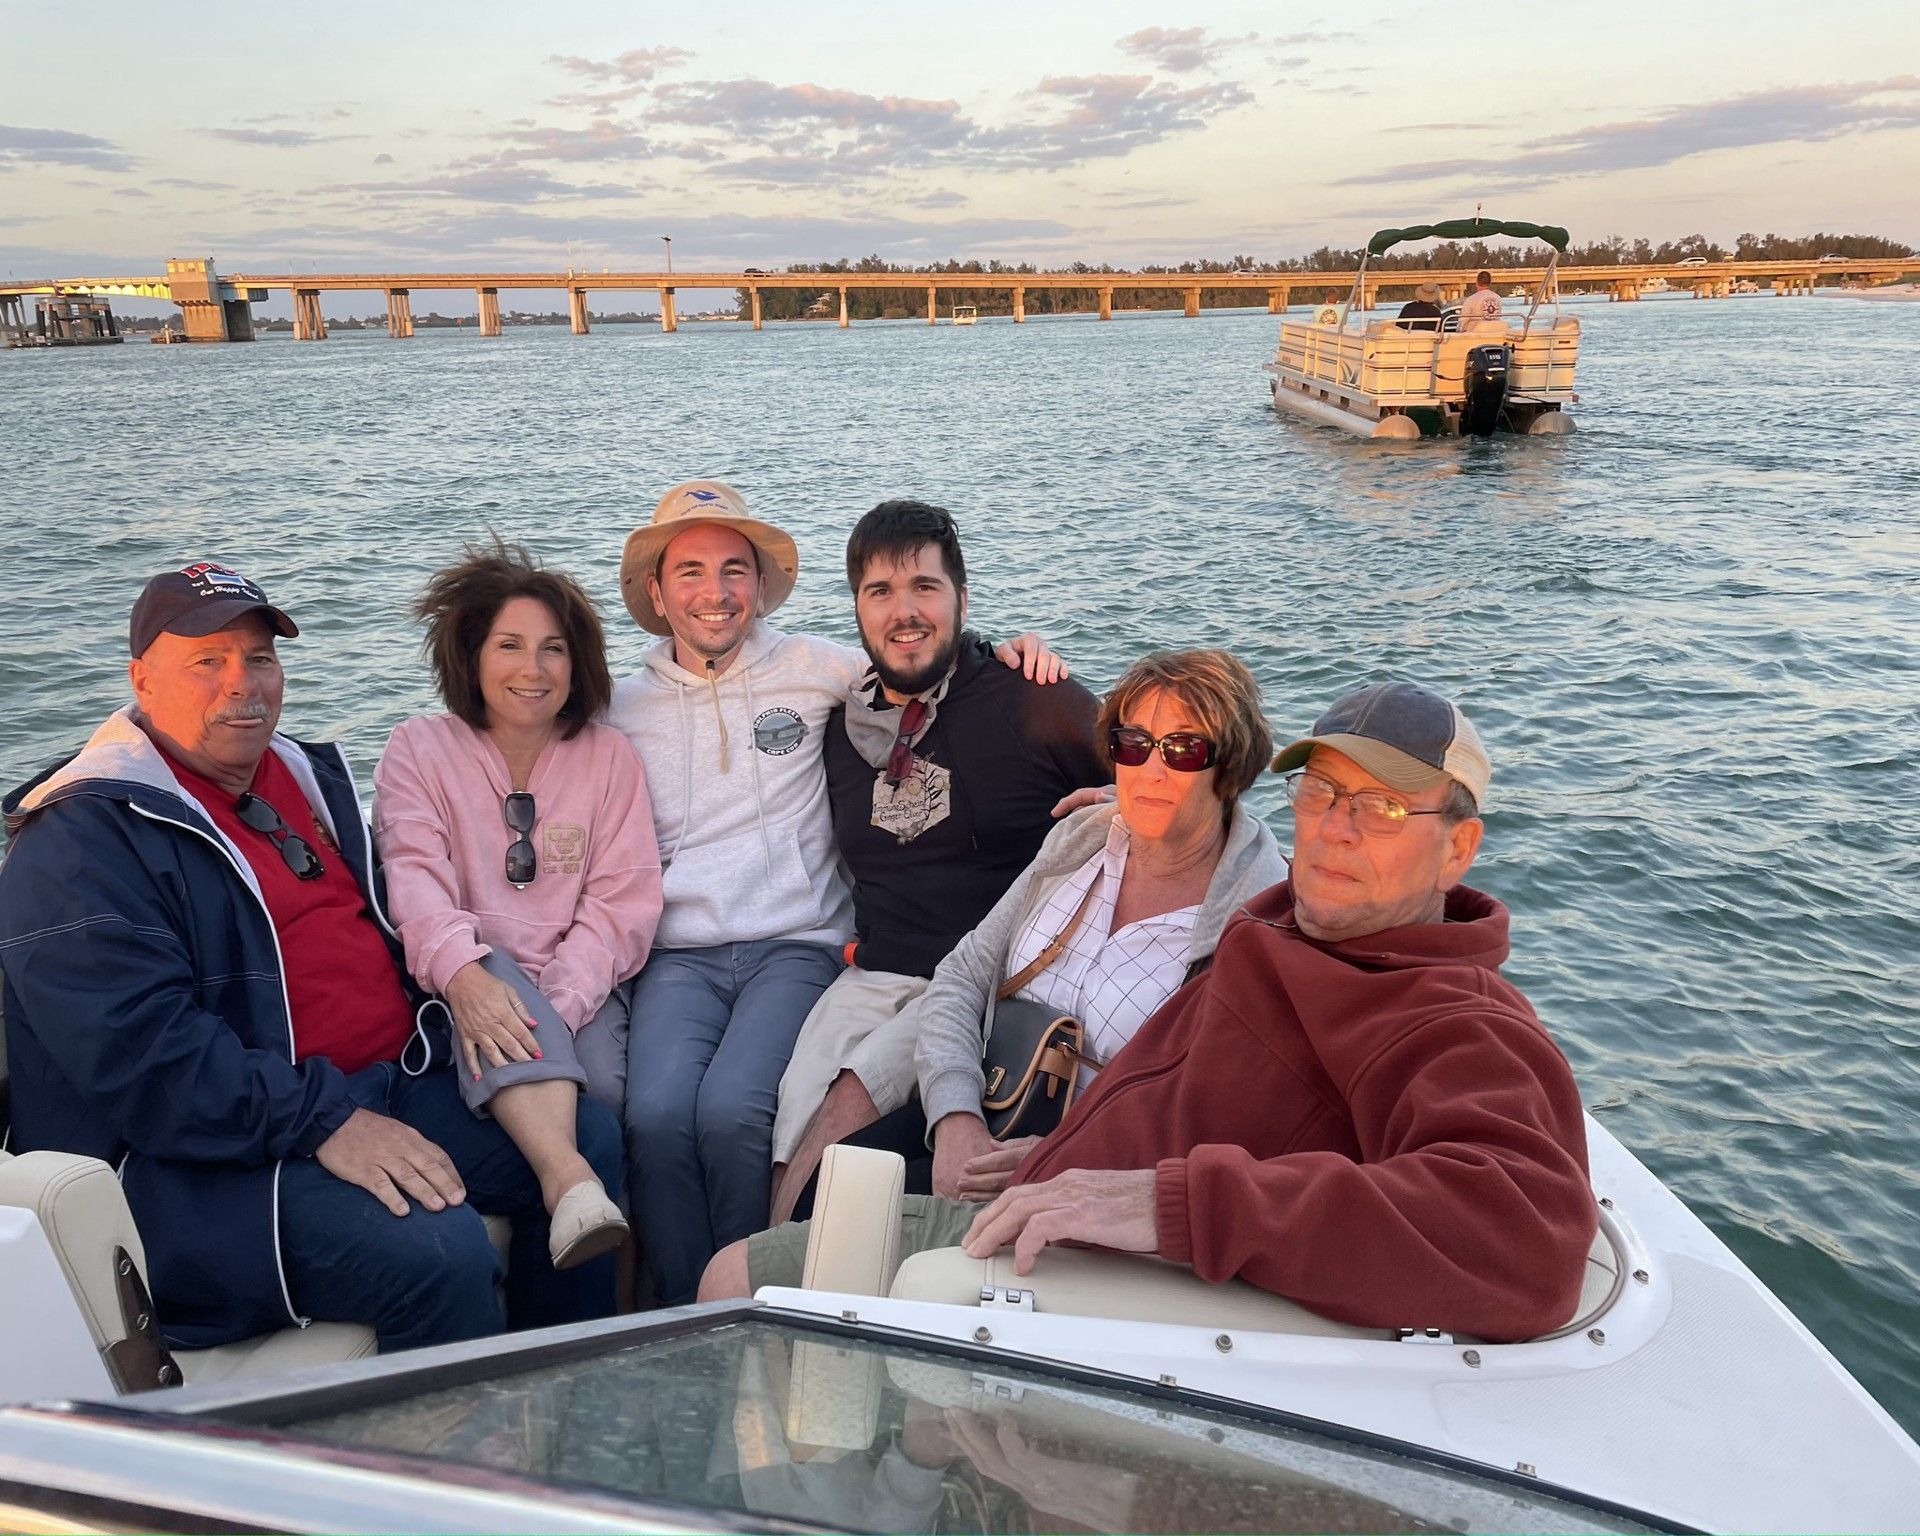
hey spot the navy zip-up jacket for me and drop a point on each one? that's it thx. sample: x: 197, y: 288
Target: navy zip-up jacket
x: 147, y: 1018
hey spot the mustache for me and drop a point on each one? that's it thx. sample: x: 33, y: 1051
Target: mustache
x: 254, y: 710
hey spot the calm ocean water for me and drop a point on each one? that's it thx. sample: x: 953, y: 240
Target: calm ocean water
x: 1690, y: 633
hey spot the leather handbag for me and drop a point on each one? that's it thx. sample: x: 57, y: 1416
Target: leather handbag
x: 1033, y: 1053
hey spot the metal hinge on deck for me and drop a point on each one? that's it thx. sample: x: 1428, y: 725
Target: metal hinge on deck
x: 1006, y: 1298
x: 1423, y: 1336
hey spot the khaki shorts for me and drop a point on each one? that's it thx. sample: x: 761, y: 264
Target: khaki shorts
x: 779, y: 1256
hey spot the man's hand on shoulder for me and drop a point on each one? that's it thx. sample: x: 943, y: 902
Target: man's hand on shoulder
x: 1093, y: 794
x: 1108, y: 1208
x: 391, y: 1161
x: 1033, y: 658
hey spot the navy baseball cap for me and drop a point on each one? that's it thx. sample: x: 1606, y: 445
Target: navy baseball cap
x: 198, y: 599
x: 1406, y: 737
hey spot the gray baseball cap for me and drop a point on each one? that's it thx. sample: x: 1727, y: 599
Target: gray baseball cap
x: 1406, y: 737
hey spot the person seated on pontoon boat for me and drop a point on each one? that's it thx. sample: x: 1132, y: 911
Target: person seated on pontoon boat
x: 517, y: 841
x: 1329, y: 311
x: 202, y: 990
x: 1483, y: 303
x: 1351, y: 1107
x: 1422, y: 311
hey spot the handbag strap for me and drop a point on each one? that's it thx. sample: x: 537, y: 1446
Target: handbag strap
x: 1051, y: 953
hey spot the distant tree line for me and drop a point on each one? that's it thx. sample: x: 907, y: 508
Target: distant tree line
x: 1449, y: 255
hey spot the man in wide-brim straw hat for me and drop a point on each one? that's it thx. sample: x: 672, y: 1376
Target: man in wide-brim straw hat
x: 1422, y: 311
x: 727, y: 714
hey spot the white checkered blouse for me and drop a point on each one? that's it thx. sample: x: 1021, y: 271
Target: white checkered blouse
x: 1111, y: 982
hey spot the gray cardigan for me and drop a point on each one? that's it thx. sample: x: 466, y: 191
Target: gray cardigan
x: 950, y: 1017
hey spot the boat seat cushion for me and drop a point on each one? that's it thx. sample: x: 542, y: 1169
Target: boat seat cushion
x: 853, y: 1243
x: 268, y: 1354
x: 1091, y: 1283
x: 82, y: 1210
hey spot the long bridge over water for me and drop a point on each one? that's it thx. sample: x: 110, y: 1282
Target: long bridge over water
x: 217, y: 308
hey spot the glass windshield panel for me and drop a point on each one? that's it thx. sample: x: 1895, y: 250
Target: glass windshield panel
x: 868, y: 1435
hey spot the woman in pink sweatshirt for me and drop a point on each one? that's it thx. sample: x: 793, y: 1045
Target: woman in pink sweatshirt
x: 517, y: 840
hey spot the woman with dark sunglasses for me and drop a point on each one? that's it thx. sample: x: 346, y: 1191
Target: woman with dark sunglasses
x: 1140, y: 886
x: 518, y: 844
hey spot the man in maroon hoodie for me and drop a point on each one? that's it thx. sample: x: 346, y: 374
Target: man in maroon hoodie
x: 1351, y: 1107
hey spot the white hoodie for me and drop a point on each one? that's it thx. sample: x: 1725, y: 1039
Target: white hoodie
x: 739, y: 789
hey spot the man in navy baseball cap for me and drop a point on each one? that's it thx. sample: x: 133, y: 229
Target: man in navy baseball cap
x: 199, y: 599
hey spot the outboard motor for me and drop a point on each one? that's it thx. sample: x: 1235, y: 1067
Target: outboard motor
x: 1486, y: 396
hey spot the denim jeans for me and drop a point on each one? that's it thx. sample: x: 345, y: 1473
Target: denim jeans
x: 432, y: 1277
x: 709, y: 1035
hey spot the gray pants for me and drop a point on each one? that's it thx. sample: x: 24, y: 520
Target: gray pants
x: 557, y: 1062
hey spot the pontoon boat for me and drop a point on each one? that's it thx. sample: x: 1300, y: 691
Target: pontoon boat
x: 1381, y: 378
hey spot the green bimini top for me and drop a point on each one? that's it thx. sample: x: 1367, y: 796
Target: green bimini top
x: 1468, y: 229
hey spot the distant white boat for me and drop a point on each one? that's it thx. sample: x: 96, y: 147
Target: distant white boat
x: 965, y: 314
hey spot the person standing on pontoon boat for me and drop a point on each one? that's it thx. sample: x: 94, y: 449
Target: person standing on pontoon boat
x: 728, y: 716
x: 203, y: 991
x: 1483, y: 303
x: 1351, y: 1107
x: 526, y: 948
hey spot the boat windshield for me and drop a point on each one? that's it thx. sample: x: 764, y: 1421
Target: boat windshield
x: 775, y: 1419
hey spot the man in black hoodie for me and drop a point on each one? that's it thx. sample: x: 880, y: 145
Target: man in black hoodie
x: 943, y: 773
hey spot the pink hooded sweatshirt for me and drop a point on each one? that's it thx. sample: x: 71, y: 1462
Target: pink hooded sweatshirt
x: 586, y: 921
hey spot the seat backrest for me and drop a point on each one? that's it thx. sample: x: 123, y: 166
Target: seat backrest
x: 854, y: 1242
x: 83, y: 1212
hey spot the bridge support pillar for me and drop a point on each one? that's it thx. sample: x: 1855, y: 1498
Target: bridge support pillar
x: 669, y: 321
x: 1276, y: 300
x: 1019, y: 306
x: 308, y: 323
x: 577, y: 310
x: 1106, y: 303
x: 399, y: 312
x: 489, y: 311
x: 844, y: 322
x: 933, y: 314
x: 1193, y: 303
x: 753, y: 295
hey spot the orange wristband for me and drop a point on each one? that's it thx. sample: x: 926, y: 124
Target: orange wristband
x: 846, y: 955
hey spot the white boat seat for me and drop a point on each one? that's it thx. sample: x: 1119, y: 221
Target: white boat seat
x: 80, y: 1207
x: 1088, y: 1282
x: 852, y: 1245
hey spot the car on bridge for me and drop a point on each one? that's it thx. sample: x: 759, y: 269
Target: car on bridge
x: 1693, y: 261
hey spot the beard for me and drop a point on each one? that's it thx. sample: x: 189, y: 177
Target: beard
x: 924, y: 675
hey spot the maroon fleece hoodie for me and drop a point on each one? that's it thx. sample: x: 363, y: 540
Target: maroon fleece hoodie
x: 1380, y: 1129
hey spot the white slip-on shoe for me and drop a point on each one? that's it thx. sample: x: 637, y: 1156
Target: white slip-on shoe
x: 585, y: 1225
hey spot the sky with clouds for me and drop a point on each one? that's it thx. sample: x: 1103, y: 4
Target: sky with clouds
x: 388, y: 137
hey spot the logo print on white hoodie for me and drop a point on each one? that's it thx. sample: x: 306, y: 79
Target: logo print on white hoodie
x: 778, y: 731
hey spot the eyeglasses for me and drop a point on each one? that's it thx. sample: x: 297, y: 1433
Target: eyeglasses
x: 900, y: 759
x: 1182, y: 751
x: 295, y: 849
x: 522, y: 863
x: 1375, y: 812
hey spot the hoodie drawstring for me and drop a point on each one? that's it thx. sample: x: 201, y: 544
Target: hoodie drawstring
x: 686, y: 777
x: 713, y: 692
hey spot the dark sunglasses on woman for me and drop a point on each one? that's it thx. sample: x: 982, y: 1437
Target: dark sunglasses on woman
x: 522, y: 863
x: 294, y: 849
x: 1182, y: 751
